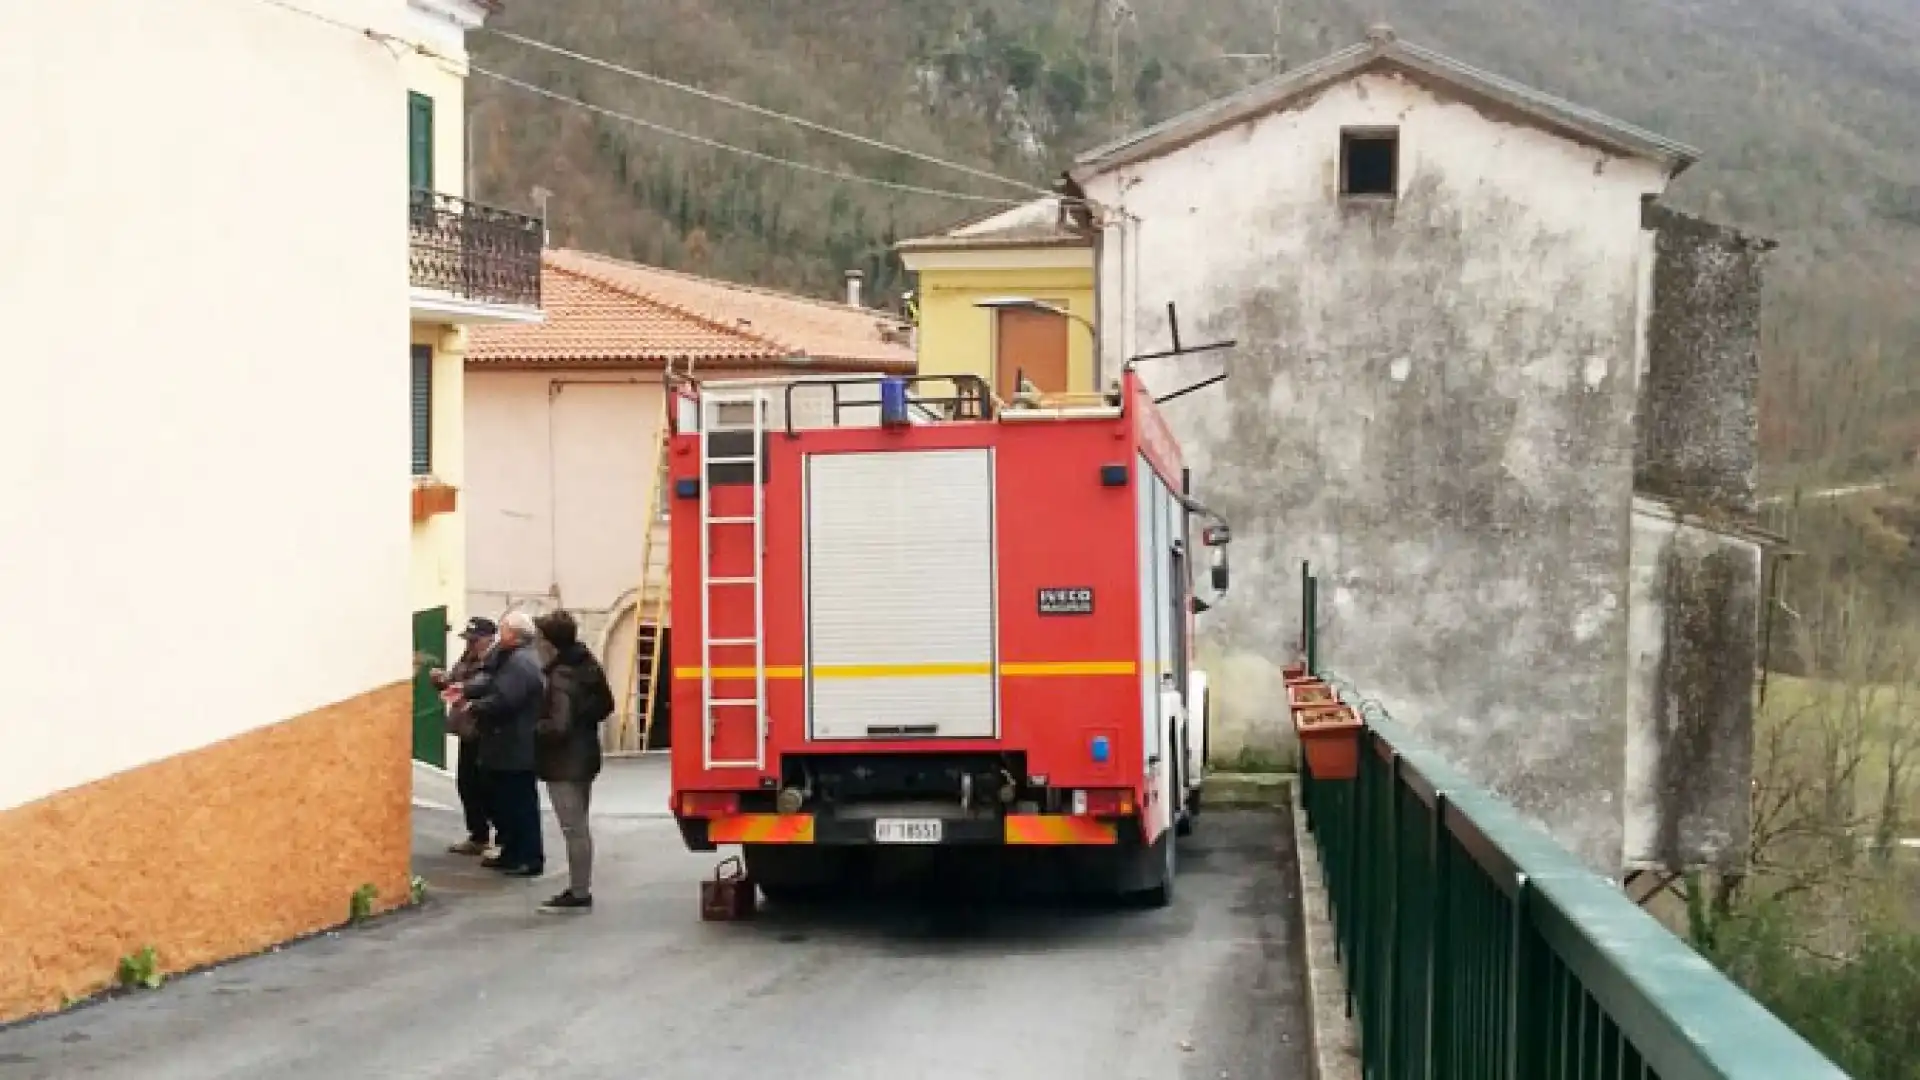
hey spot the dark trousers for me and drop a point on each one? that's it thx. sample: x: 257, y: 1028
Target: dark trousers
x: 471, y: 780
x: 515, y: 799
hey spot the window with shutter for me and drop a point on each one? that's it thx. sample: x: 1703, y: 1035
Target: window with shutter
x: 422, y: 410
x: 420, y: 142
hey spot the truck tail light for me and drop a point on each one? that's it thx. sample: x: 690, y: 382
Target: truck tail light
x: 708, y: 804
x: 1103, y: 802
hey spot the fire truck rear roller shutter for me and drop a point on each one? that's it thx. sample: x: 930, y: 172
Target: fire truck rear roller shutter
x: 901, y: 592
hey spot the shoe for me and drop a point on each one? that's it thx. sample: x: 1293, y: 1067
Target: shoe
x: 468, y: 847
x: 492, y: 862
x: 567, y: 901
x: 524, y: 871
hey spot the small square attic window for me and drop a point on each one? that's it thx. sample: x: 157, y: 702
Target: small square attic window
x: 1370, y: 162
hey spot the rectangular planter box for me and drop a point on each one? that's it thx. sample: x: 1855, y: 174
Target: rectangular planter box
x: 1299, y: 694
x: 433, y: 498
x: 1329, y: 736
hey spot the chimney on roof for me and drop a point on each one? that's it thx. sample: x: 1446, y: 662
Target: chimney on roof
x: 854, y: 278
x: 540, y: 197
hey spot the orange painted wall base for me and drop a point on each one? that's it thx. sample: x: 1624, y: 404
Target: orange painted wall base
x: 208, y: 855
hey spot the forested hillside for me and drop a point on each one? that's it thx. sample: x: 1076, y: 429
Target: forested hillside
x: 1809, y: 115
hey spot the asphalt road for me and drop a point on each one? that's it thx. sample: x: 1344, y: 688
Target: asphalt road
x: 477, y: 984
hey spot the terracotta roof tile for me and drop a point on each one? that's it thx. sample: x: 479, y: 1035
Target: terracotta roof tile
x: 604, y: 311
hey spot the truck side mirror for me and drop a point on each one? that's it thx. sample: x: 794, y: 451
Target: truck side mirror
x: 1220, y: 570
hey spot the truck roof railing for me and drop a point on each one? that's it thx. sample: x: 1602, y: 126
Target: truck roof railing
x: 931, y: 399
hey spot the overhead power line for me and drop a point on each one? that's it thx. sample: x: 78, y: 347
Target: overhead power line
x: 662, y: 129
x: 338, y: 24
x: 760, y: 110
x: 836, y: 174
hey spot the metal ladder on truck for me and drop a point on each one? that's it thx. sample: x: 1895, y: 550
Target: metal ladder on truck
x: 650, y: 614
x: 712, y: 401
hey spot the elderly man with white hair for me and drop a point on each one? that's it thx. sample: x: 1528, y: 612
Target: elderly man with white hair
x: 504, y: 701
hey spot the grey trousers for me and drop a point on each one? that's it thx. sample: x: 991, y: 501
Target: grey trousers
x: 570, y: 802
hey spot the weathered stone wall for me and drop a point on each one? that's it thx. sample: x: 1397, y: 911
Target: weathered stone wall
x: 1433, y: 402
x: 1695, y: 615
x: 1699, y: 400
x: 1696, y: 586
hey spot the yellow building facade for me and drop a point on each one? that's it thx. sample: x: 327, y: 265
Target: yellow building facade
x: 469, y: 265
x: 969, y: 278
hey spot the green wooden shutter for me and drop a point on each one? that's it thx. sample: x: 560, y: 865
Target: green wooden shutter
x: 422, y: 410
x: 419, y: 142
x: 429, y: 712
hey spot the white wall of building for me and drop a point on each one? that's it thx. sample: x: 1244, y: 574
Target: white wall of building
x: 558, y: 469
x: 205, y: 289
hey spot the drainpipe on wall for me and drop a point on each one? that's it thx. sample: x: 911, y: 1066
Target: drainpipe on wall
x: 1099, y: 314
x: 466, y: 146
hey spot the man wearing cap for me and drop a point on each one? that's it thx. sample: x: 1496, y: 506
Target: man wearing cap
x: 469, y: 777
x: 505, y: 698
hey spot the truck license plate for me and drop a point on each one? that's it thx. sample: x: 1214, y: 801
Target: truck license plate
x: 907, y: 831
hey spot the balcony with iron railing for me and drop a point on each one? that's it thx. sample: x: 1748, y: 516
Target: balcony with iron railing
x: 471, y: 263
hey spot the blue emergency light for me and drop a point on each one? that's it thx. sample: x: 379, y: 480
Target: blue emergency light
x: 1100, y: 750
x: 893, y: 402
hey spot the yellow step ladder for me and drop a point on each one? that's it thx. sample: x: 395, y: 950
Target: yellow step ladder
x: 651, y: 609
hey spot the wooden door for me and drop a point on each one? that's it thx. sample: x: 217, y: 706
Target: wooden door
x: 1033, y: 344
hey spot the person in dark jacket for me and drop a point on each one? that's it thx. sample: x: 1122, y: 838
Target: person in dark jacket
x: 567, y: 748
x: 505, y: 700
x: 469, y: 777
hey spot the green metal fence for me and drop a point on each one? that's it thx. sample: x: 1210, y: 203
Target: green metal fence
x: 1476, y: 948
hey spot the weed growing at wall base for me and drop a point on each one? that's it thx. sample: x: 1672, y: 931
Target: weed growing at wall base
x: 140, y: 970
x: 360, y: 904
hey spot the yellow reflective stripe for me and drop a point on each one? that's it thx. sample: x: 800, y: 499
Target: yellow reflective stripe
x: 1071, y: 667
x: 793, y: 671
x: 922, y: 671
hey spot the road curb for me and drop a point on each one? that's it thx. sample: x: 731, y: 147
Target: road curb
x: 1336, y: 1046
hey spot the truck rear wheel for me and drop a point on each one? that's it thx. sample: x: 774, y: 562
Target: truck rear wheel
x: 792, y: 894
x: 790, y: 873
x: 1161, y: 861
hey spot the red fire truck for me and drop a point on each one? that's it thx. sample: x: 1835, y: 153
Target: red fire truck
x: 906, y: 614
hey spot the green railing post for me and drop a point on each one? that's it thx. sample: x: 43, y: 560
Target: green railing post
x: 1391, y: 955
x: 1313, y: 625
x: 1305, y: 780
x: 1439, y: 959
x: 1519, y: 1019
x: 1306, y: 615
x: 1356, y: 892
